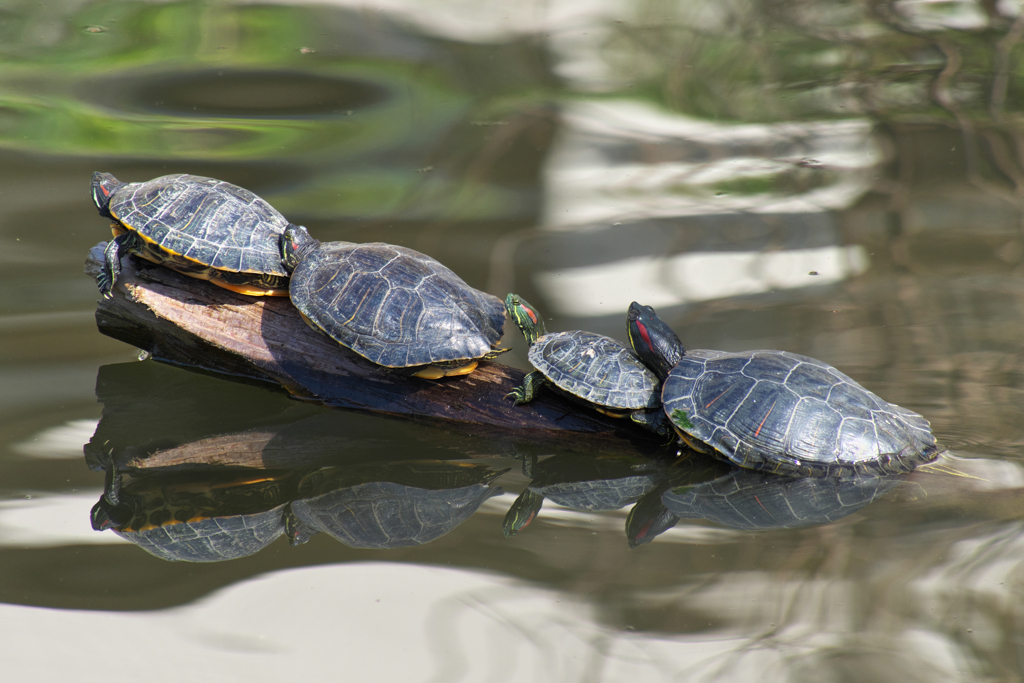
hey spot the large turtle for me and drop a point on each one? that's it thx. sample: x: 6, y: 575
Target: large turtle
x: 182, y: 517
x: 749, y: 500
x: 202, y: 227
x: 752, y: 500
x: 391, y: 505
x: 393, y: 306
x: 777, y: 411
x: 596, y: 370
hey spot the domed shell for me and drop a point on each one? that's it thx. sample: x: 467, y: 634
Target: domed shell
x: 394, y: 306
x: 204, y: 220
x: 595, y: 368
x: 789, y: 413
x: 749, y: 500
x: 213, y: 539
x: 383, y: 514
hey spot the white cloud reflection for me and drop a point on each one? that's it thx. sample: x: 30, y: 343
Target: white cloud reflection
x: 47, y: 521
x: 608, y: 289
x: 60, y: 442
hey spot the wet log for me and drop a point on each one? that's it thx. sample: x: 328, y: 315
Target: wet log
x: 192, y: 323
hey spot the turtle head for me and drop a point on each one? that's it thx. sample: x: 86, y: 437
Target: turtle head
x: 653, y: 340
x: 108, y: 515
x: 100, y: 515
x: 526, y: 318
x: 103, y: 186
x: 296, y: 242
x: 295, y: 530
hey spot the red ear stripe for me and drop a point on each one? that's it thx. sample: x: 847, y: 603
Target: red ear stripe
x: 643, y: 333
x: 530, y: 312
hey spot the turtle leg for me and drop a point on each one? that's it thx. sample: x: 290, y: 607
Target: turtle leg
x: 116, y: 248
x: 693, y: 443
x: 528, y: 391
x: 112, y: 483
x: 653, y: 420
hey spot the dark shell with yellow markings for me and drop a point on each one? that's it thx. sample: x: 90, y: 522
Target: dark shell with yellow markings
x: 202, y: 226
x: 394, y: 306
x: 182, y: 518
x: 595, y: 368
x: 213, y: 539
x: 782, y: 412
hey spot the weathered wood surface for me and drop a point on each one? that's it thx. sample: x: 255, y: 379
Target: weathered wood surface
x: 191, y: 322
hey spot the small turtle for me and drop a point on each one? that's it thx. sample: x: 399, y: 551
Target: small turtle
x: 393, y: 306
x: 596, y: 370
x: 201, y: 227
x: 588, y: 483
x: 777, y: 411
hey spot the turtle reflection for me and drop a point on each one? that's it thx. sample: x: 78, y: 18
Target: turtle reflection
x: 209, y: 517
x: 390, y: 505
x: 750, y: 500
x: 581, y: 482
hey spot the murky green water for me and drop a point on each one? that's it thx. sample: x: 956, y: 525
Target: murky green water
x: 825, y: 178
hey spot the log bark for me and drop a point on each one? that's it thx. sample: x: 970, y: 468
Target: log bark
x: 190, y: 322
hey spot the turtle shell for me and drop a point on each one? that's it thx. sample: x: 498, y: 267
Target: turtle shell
x: 593, y: 483
x: 182, y: 517
x: 394, y: 306
x: 213, y: 539
x: 191, y: 222
x: 383, y: 514
x: 595, y: 368
x: 788, y: 413
x: 599, y: 495
x: 749, y: 500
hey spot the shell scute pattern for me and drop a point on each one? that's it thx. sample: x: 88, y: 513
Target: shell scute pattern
x: 775, y: 367
x: 852, y: 400
x: 815, y: 382
x: 205, y: 220
x: 394, y: 306
x: 719, y: 395
x: 821, y: 429
x: 390, y: 515
x: 599, y: 495
x: 777, y: 410
x: 210, y: 540
x: 764, y: 416
x: 595, y: 368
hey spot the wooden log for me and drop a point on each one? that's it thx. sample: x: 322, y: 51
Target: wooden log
x: 190, y: 322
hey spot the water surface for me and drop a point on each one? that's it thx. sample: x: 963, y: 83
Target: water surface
x: 825, y: 178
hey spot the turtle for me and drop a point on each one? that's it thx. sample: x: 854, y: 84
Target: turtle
x: 393, y: 306
x: 392, y: 505
x: 753, y: 500
x: 202, y: 227
x: 777, y: 411
x: 591, y: 368
x: 181, y: 518
x: 580, y: 482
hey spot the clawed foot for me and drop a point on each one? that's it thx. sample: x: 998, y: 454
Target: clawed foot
x: 518, y: 396
x: 106, y: 285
